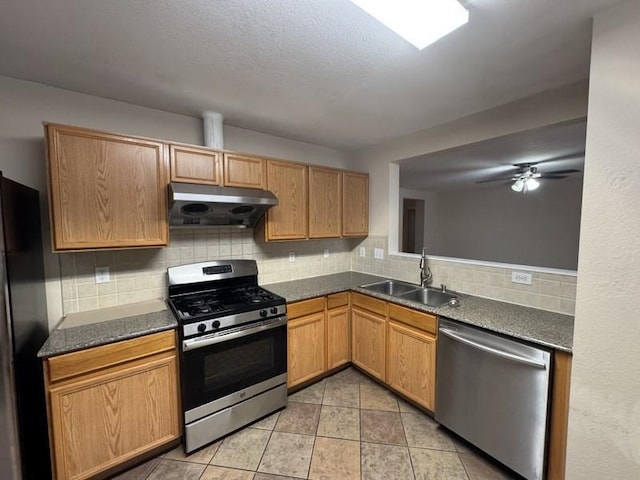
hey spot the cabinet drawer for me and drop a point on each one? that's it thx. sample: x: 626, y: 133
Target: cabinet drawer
x: 91, y: 359
x: 369, y: 303
x: 337, y: 300
x: 420, y: 320
x: 305, y: 307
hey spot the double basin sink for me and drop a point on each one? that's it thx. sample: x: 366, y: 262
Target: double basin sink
x: 432, y: 297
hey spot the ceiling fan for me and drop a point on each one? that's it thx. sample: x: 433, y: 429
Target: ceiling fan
x: 525, y: 177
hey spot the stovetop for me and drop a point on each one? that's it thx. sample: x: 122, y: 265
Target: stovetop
x: 211, y: 297
x: 208, y: 305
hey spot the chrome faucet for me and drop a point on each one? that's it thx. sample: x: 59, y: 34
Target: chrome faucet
x: 426, y: 277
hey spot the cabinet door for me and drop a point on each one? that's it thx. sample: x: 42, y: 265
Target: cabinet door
x: 288, y: 182
x: 244, y: 171
x: 100, y: 421
x: 338, y: 337
x: 106, y: 191
x: 368, y: 342
x: 306, y: 343
x: 325, y: 200
x: 355, y: 204
x: 411, y: 363
x: 195, y: 165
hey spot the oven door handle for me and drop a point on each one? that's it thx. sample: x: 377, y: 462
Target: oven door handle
x: 195, y: 343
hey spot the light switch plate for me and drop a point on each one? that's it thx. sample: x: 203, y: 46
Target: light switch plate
x: 326, y: 253
x: 521, y: 277
x: 292, y: 256
x: 363, y: 251
x: 102, y: 275
x: 378, y: 253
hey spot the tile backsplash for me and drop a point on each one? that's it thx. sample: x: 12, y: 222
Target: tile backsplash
x: 137, y: 275
x: 553, y: 292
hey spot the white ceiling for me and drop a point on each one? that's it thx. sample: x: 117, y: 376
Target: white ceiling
x: 320, y: 71
x: 556, y: 147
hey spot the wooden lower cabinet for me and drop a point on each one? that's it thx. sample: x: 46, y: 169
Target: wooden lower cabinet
x: 558, y: 424
x: 368, y: 341
x: 101, y: 419
x: 411, y: 355
x: 338, y: 330
x: 306, y: 340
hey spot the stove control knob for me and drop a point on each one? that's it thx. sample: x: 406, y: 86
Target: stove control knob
x: 263, y: 313
x: 274, y: 310
x: 202, y: 327
x: 215, y: 325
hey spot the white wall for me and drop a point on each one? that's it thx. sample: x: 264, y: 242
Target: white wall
x: 26, y: 105
x: 604, y: 420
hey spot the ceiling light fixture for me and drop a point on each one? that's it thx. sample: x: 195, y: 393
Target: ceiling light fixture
x: 420, y: 22
x: 526, y: 182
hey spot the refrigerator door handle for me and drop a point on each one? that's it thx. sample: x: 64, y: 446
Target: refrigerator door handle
x: 493, y: 351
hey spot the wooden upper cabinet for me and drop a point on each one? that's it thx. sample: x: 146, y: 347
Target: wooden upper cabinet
x: 325, y: 201
x: 288, y: 220
x: 245, y: 171
x: 355, y: 204
x: 195, y: 165
x: 106, y: 191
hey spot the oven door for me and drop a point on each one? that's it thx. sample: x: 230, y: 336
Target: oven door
x: 214, y: 368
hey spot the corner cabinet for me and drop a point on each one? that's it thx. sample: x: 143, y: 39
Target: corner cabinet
x: 355, y: 204
x: 106, y: 191
x: 109, y: 404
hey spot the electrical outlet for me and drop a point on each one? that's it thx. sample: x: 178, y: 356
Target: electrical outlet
x: 102, y: 275
x: 521, y: 277
x: 378, y: 253
x: 363, y: 251
x: 292, y: 256
x: 326, y: 253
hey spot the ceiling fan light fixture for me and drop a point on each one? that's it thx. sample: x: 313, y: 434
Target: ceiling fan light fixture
x: 419, y: 22
x: 531, y: 184
x: 518, y: 185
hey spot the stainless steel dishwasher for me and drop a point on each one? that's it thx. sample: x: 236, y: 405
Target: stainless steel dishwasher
x: 494, y: 392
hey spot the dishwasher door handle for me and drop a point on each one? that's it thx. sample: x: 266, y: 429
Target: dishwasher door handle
x: 493, y: 351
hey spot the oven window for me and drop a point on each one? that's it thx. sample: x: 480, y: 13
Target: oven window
x: 211, y: 372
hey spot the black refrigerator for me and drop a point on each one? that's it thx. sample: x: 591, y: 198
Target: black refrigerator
x: 24, y: 444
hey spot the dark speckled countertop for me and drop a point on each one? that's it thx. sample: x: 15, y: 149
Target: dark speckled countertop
x: 65, y: 340
x: 550, y: 329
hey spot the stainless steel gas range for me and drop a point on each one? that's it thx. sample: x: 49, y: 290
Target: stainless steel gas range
x: 234, y: 347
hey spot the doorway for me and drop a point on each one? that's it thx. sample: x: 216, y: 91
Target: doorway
x: 412, y: 225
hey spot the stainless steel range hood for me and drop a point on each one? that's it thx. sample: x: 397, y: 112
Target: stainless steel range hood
x: 193, y: 205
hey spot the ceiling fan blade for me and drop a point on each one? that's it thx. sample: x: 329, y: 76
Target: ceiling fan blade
x: 501, y: 179
x: 562, y: 172
x: 552, y: 177
x: 526, y: 165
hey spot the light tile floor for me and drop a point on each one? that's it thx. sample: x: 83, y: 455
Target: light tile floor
x: 342, y: 428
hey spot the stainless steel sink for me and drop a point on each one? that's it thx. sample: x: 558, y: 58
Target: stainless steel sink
x: 429, y: 296
x: 391, y: 287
